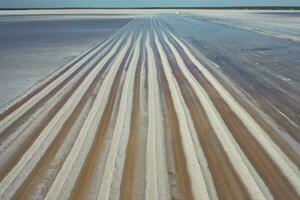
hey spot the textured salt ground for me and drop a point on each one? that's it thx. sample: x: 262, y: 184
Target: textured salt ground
x: 194, y: 121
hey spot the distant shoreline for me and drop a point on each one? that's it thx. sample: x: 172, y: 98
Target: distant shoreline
x: 141, y: 8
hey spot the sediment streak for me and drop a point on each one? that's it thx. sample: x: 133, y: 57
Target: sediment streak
x: 57, y: 125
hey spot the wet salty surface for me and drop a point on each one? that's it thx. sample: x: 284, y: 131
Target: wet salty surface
x: 289, y: 14
x: 281, y: 24
x: 167, y: 107
x: 32, y: 47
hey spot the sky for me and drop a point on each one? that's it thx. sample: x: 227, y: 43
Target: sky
x: 142, y: 3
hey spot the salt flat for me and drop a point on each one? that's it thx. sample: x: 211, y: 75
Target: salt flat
x: 168, y: 105
x: 32, y: 47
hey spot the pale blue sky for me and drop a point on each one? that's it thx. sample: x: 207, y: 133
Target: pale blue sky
x: 144, y: 3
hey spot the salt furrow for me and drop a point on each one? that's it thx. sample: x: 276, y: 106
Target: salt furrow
x: 199, y: 186
x: 129, y: 131
x: 123, y: 118
x: 199, y: 151
x: 30, y: 124
x: 18, y: 135
x: 9, y: 119
x: 287, y: 167
x: 71, y: 167
x: 222, y: 131
x: 37, y: 149
x: 163, y: 185
x: 153, y: 129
